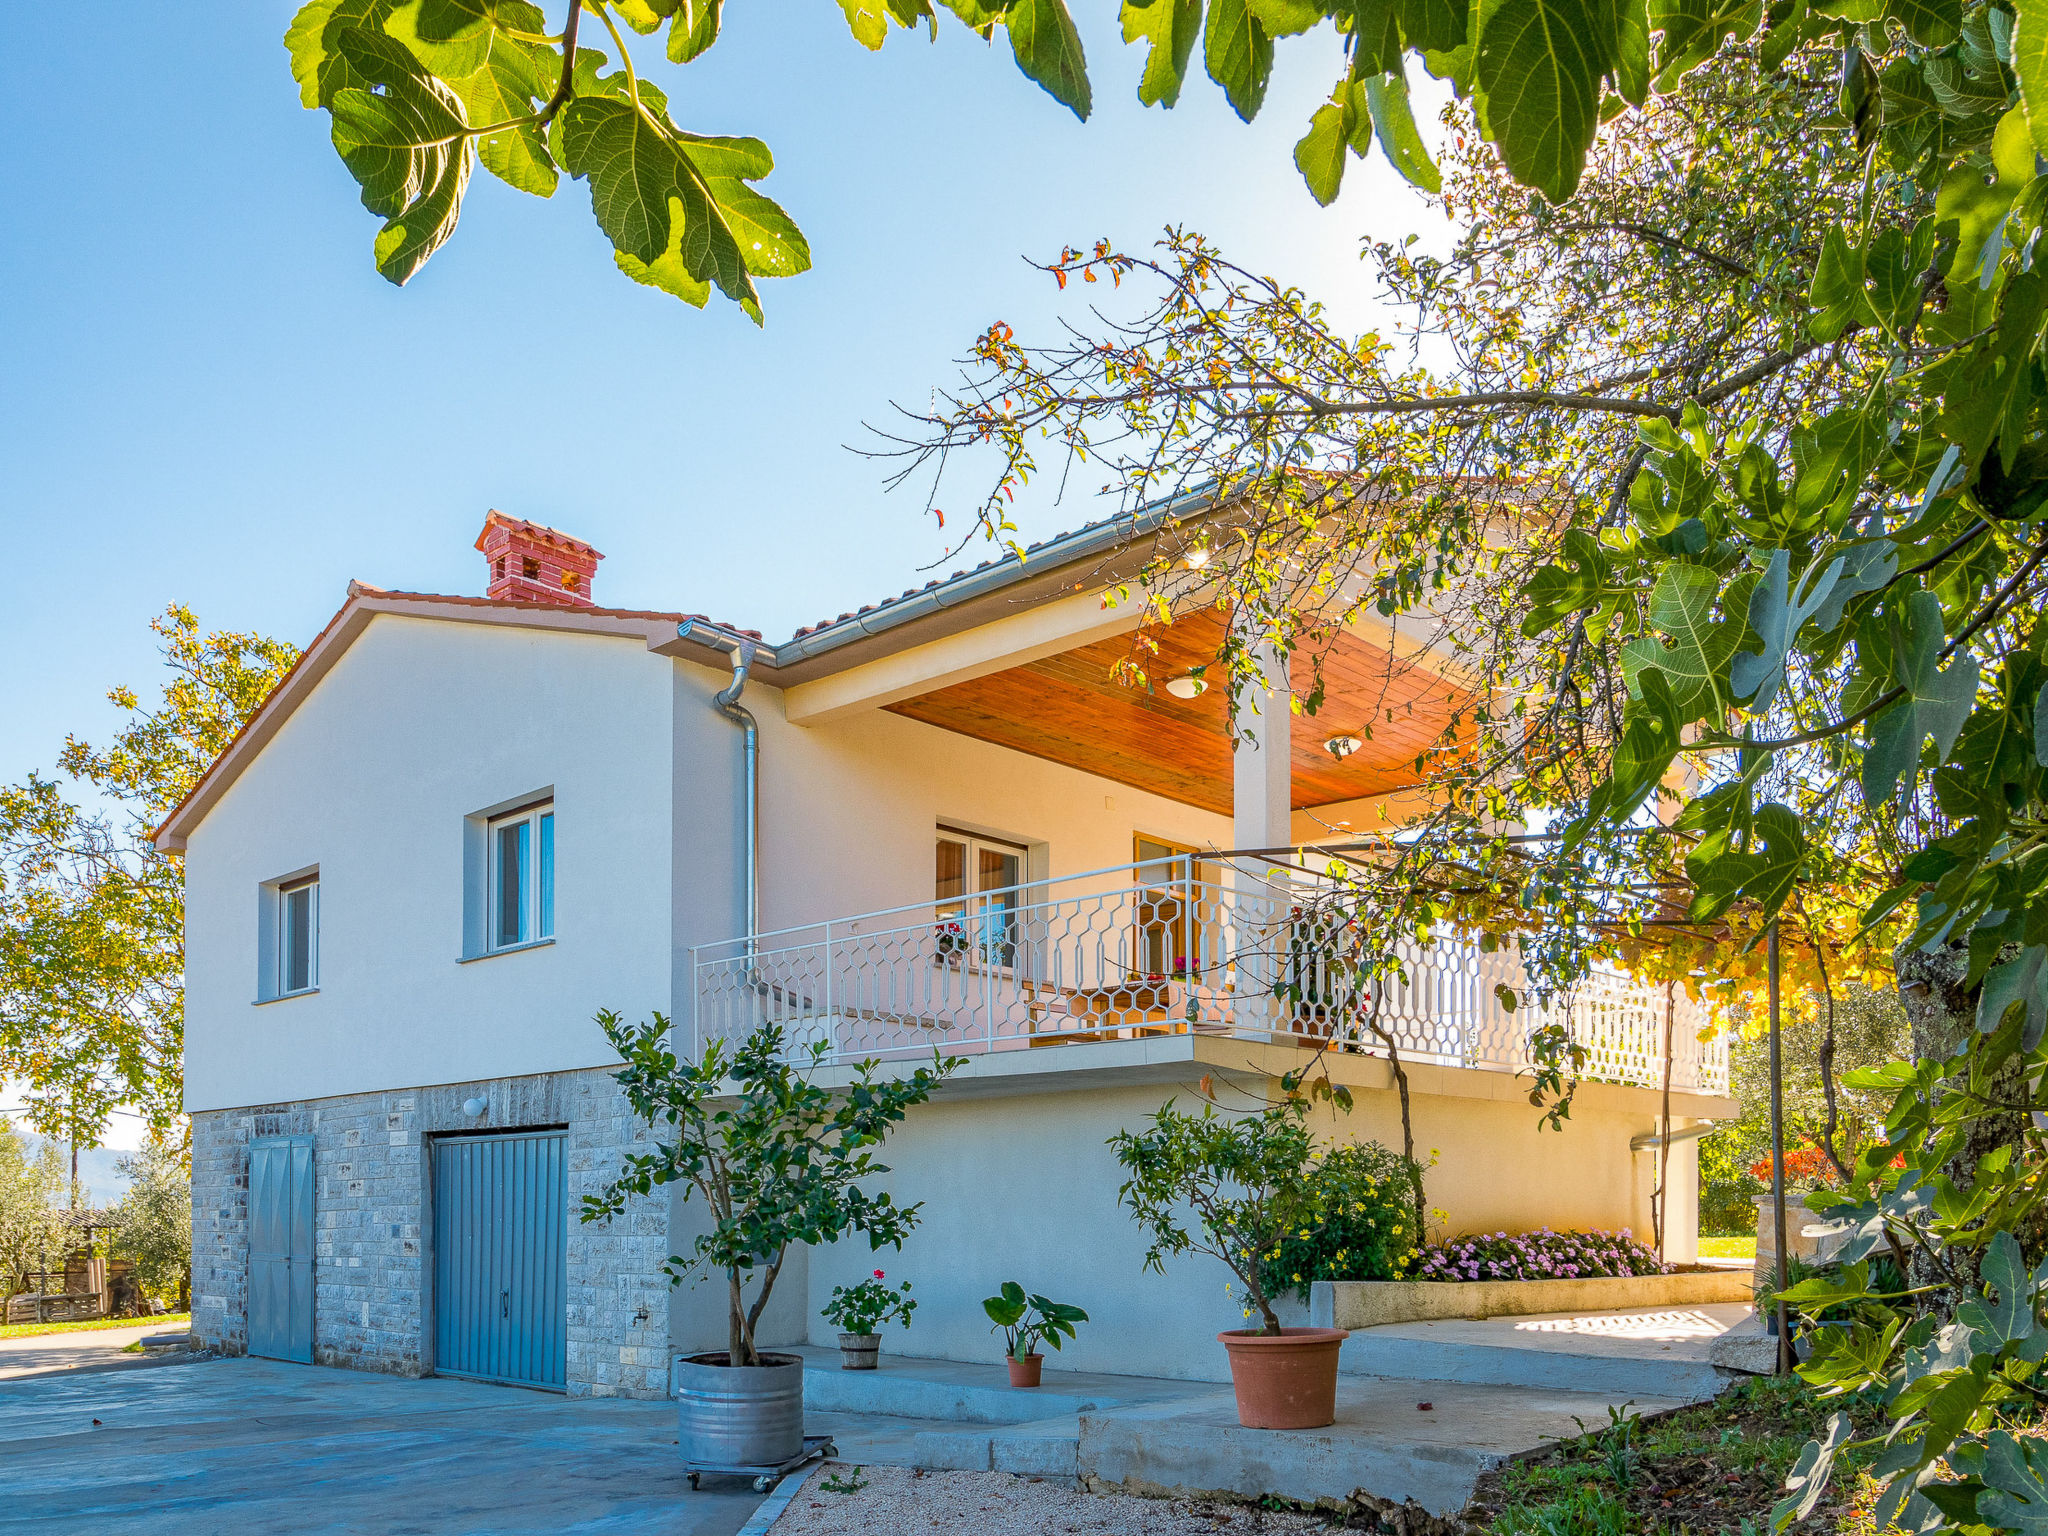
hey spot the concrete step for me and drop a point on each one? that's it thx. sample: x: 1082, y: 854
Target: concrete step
x: 1664, y: 1353
x: 1390, y: 1439
x: 962, y: 1392
x: 1042, y: 1448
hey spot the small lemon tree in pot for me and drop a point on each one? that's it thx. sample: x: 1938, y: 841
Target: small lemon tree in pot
x: 778, y: 1159
x: 1249, y: 1180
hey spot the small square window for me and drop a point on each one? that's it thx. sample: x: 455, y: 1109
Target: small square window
x: 521, y: 885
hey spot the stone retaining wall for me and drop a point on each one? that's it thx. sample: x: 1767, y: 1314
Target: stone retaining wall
x: 1367, y: 1303
x: 370, y: 1214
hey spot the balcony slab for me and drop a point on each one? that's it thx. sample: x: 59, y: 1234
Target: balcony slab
x: 1013, y: 1070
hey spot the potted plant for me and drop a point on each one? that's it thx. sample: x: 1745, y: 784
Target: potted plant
x: 1026, y: 1321
x: 858, y: 1312
x: 1248, y: 1179
x: 950, y: 937
x: 778, y: 1160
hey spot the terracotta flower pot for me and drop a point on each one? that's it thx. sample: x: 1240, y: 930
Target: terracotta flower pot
x: 1024, y: 1373
x: 859, y: 1351
x: 1286, y: 1380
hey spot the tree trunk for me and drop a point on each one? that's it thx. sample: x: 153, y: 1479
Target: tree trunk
x: 739, y: 1348
x: 1942, y: 1009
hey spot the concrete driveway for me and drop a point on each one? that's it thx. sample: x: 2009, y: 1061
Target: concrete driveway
x: 97, y: 1347
x: 251, y: 1446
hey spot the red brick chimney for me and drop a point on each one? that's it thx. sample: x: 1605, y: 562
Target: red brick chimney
x: 532, y: 564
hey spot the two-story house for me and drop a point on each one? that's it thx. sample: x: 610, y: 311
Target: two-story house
x: 464, y: 824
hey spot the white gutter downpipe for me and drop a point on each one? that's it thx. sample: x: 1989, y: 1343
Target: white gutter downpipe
x: 728, y: 704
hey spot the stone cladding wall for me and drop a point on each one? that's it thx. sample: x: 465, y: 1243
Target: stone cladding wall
x: 372, y: 1225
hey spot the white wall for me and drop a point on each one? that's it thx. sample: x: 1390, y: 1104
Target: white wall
x: 849, y: 814
x: 1024, y: 1188
x: 850, y: 809
x: 419, y: 724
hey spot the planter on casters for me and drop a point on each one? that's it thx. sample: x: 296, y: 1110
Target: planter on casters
x: 1024, y: 1372
x: 1286, y: 1380
x: 858, y: 1351
x: 740, y: 1416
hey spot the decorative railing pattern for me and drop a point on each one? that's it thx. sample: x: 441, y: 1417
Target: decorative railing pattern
x: 1171, y: 947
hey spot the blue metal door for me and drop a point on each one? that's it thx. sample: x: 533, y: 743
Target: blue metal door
x: 281, y: 1248
x: 501, y: 1228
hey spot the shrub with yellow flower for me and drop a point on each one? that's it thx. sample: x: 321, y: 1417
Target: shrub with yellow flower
x: 1355, y: 1223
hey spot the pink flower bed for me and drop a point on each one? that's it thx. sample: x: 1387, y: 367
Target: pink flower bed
x: 1544, y: 1255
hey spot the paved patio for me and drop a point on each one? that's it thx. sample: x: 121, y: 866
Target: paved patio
x: 260, y: 1446
x: 257, y: 1446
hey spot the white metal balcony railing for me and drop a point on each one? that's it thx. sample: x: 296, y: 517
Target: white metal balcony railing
x: 1170, y: 947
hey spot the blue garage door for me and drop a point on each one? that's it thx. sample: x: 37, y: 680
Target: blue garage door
x: 281, y: 1248
x: 501, y: 1227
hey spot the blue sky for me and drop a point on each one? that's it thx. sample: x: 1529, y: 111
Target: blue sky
x: 212, y: 398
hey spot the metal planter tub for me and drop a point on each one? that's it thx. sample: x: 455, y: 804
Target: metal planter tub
x: 740, y: 1416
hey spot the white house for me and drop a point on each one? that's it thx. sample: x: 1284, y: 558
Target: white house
x: 462, y: 825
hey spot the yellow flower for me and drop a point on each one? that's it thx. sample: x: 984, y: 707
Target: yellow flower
x: 1297, y: 1279
x: 1397, y: 1231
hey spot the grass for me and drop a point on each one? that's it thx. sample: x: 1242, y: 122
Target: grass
x: 1728, y: 1247
x: 1713, y: 1468
x: 36, y: 1330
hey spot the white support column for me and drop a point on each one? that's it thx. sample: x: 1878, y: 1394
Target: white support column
x: 1262, y: 816
x: 1261, y: 809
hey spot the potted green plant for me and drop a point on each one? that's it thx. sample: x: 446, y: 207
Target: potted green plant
x: 778, y: 1159
x: 1026, y: 1321
x: 1249, y: 1180
x: 858, y: 1312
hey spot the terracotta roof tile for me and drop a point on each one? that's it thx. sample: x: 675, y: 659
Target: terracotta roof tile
x: 962, y: 575
x: 500, y: 602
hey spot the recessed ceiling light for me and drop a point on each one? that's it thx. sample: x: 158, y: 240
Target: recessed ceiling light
x: 1187, y: 686
x: 1341, y: 747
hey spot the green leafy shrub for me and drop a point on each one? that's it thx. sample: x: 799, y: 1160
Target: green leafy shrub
x: 1029, y: 1320
x: 1356, y: 1221
x: 862, y: 1309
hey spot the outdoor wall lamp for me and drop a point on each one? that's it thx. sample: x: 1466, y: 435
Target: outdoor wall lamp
x: 474, y: 1107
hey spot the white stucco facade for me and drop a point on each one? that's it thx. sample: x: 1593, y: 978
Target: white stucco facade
x: 422, y: 720
x: 418, y: 726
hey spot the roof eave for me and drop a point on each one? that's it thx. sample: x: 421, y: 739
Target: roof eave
x: 364, y: 604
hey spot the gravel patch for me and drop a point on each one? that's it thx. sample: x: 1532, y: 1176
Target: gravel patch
x: 900, y: 1502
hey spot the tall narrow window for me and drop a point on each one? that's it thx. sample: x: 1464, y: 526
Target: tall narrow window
x: 298, y: 936
x: 522, y: 883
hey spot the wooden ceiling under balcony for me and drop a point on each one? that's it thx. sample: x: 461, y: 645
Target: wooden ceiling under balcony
x: 1072, y: 709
